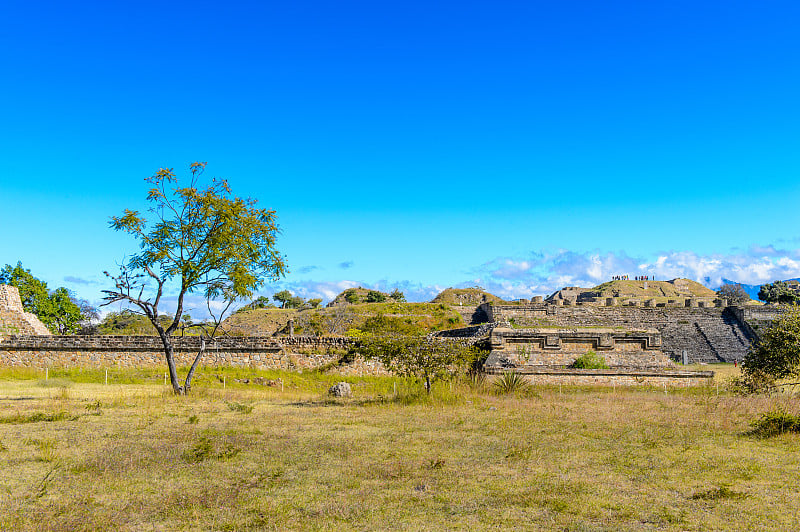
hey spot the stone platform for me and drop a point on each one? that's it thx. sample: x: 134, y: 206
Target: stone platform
x: 544, y: 356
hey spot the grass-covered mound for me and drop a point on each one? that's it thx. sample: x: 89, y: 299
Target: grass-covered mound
x: 465, y: 297
x: 676, y: 288
x: 390, y: 316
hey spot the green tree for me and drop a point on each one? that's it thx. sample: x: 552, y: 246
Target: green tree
x: 199, y: 240
x: 351, y: 296
x: 734, y: 293
x: 65, y: 315
x: 420, y: 357
x: 259, y: 302
x: 777, y: 352
x: 373, y: 296
x: 777, y: 292
x: 315, y: 302
x: 59, y: 310
x: 284, y: 297
x: 296, y: 302
x: 398, y: 296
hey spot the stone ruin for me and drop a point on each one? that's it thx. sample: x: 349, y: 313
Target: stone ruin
x: 520, y: 348
x: 546, y: 355
x: 14, y: 319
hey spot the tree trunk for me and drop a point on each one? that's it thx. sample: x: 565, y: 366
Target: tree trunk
x: 188, y: 384
x: 427, y: 384
x: 173, y: 372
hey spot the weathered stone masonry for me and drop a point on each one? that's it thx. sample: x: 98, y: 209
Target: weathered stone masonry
x: 532, y: 348
x: 707, y: 334
x: 297, y: 353
x: 13, y: 318
x: 543, y: 356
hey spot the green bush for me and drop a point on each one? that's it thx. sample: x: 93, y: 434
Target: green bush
x: 205, y: 449
x: 775, y: 423
x: 590, y: 360
x: 751, y: 382
x: 777, y: 351
x: 351, y: 296
x: 239, y: 407
x: 722, y: 492
x: 373, y: 296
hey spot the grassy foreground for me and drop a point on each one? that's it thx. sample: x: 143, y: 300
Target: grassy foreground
x: 90, y: 456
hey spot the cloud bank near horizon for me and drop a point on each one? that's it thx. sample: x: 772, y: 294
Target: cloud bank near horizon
x: 544, y: 272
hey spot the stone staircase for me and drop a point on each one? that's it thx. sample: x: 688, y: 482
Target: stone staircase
x: 707, y: 339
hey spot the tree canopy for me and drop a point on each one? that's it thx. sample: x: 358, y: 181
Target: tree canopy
x: 197, y: 240
x: 420, y: 357
x: 778, y: 292
x: 734, y: 293
x: 59, y: 310
x: 777, y: 351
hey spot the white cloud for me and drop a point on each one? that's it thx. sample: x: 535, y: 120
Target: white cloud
x: 546, y: 272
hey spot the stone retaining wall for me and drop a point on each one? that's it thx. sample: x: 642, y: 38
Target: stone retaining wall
x: 294, y: 354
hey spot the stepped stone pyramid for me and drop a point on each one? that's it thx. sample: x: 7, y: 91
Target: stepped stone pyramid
x: 13, y: 318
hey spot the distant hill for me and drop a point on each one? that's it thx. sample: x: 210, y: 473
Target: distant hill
x: 470, y: 297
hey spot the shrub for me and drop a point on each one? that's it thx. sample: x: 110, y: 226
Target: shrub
x: 722, y: 492
x: 398, y: 296
x: 777, y: 352
x: 204, y: 449
x: 751, y: 382
x: 419, y: 357
x: 239, y: 407
x: 351, y: 296
x: 373, y: 296
x: 590, y: 360
x: 775, y: 423
x: 510, y: 382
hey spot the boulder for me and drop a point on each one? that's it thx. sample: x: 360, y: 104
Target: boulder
x: 340, y: 389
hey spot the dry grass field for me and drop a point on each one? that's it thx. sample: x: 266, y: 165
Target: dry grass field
x: 90, y: 456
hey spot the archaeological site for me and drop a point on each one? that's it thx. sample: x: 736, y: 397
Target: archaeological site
x: 644, y: 331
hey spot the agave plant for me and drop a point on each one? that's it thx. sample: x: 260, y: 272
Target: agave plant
x: 510, y: 382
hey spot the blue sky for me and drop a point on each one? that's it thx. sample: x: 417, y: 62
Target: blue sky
x: 520, y: 146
